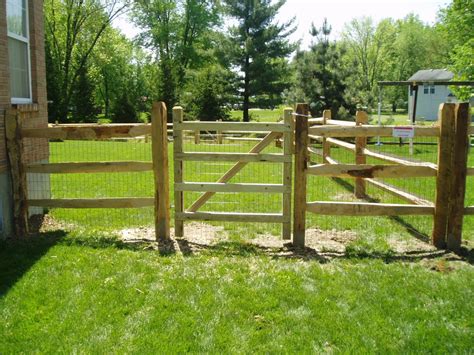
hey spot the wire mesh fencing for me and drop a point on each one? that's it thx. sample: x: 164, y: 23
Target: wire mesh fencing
x: 97, y: 185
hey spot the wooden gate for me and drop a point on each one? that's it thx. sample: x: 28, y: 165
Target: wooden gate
x: 448, y: 208
x: 275, y: 131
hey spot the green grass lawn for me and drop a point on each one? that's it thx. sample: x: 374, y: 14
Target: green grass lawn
x: 89, y: 293
x: 259, y: 115
x: 267, y: 115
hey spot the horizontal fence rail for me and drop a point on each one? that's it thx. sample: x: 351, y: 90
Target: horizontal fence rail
x: 242, y: 157
x: 366, y: 209
x: 222, y: 187
x: 128, y: 202
x: 370, y: 171
x: 92, y: 167
x: 368, y: 131
x: 232, y: 126
x: 92, y: 132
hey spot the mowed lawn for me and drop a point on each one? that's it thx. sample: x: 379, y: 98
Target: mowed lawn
x: 90, y: 293
x: 84, y: 290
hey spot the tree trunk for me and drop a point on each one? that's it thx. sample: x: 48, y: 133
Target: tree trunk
x: 106, y: 98
x: 246, y: 105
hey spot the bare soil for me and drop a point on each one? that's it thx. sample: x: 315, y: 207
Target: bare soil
x: 324, y: 243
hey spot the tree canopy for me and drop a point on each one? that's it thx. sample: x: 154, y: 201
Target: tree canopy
x: 209, y: 56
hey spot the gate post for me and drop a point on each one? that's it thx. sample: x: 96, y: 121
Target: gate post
x: 360, y: 144
x: 443, y: 179
x: 159, y: 146
x: 287, y: 173
x: 17, y: 172
x: 301, y: 161
x: 178, y: 170
x: 459, y: 164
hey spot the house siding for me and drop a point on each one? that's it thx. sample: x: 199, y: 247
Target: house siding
x: 32, y: 115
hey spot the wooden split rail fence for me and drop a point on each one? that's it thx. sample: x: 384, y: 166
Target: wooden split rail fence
x: 448, y: 209
x: 159, y: 165
x: 295, y: 135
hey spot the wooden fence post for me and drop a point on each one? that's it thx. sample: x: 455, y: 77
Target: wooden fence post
x: 443, y: 180
x: 219, y: 135
x: 360, y: 158
x: 287, y: 173
x: 159, y: 146
x: 178, y: 171
x: 17, y: 172
x: 301, y: 161
x: 197, y: 134
x: 326, y: 145
x: 458, y: 189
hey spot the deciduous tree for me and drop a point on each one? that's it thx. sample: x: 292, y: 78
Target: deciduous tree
x: 73, y: 28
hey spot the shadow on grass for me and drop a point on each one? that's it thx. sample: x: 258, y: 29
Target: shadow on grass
x: 410, y: 228
x: 18, y: 256
x: 228, y: 248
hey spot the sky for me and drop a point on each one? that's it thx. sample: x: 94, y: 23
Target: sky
x: 337, y: 12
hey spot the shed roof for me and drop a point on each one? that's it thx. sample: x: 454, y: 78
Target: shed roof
x: 432, y: 75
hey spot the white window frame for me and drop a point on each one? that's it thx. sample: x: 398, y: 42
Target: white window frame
x: 23, y: 100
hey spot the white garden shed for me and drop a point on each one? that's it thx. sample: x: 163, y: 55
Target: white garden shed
x: 429, y: 96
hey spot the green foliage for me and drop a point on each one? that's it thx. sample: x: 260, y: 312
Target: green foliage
x: 369, y: 46
x: 416, y: 46
x: 113, y: 69
x: 72, y: 30
x: 259, y: 51
x: 84, y: 109
x: 179, y: 32
x: 124, y: 110
x: 320, y: 74
x: 457, y: 23
x: 206, y: 98
x: 390, y: 50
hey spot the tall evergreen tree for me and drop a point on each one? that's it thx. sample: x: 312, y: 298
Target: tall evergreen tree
x: 84, y: 109
x: 207, y: 95
x: 260, y: 49
x: 320, y: 74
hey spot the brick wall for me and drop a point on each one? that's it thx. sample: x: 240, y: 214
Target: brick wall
x: 34, y: 115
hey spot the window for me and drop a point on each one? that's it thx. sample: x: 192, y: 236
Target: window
x: 19, y: 51
x: 425, y: 89
x: 432, y: 89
